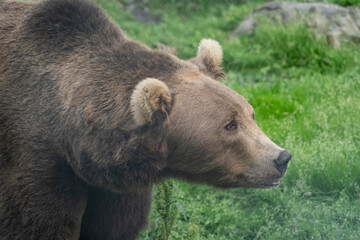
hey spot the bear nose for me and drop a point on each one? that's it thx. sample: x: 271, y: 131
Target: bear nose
x: 282, y: 161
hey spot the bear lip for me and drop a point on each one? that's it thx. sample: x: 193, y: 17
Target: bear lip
x: 271, y: 184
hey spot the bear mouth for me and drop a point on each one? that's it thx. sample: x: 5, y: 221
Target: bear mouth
x: 271, y: 183
x: 247, y: 180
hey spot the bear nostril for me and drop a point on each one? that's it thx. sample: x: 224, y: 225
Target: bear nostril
x: 282, y: 161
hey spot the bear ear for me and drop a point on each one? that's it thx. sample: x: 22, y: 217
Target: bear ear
x: 150, y: 102
x: 209, y: 58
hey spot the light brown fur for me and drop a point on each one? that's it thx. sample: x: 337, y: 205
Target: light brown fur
x: 150, y: 101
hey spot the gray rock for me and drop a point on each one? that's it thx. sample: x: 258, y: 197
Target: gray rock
x: 246, y: 27
x: 290, y: 10
x: 333, y: 39
x: 141, y: 13
x: 337, y: 23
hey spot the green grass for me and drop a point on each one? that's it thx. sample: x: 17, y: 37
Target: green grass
x: 306, y: 97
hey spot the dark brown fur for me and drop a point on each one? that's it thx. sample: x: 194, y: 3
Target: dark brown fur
x: 73, y: 163
x: 49, y: 153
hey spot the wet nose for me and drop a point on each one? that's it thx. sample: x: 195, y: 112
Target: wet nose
x: 282, y: 161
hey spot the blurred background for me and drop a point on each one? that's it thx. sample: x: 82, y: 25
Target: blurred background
x: 297, y: 63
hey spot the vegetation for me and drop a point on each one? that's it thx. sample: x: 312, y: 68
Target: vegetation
x: 306, y: 97
x: 167, y: 210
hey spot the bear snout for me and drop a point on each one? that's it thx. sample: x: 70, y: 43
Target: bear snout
x: 282, y: 161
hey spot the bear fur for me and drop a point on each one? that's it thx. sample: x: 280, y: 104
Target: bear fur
x: 90, y: 120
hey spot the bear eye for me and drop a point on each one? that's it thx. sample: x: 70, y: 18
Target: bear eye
x: 231, y: 126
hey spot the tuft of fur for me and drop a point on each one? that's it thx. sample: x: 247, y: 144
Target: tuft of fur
x: 150, y: 101
x: 209, y: 58
x: 165, y: 48
x: 210, y: 49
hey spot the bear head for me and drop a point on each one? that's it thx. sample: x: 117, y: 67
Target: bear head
x: 211, y: 135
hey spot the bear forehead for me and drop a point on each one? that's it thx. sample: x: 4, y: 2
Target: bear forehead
x: 205, y: 88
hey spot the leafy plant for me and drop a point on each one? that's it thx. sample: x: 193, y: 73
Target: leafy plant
x: 167, y: 211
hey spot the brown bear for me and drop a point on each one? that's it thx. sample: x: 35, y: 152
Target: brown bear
x: 90, y: 120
